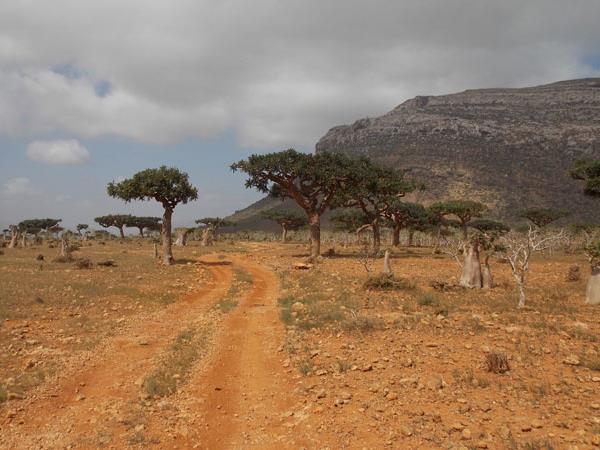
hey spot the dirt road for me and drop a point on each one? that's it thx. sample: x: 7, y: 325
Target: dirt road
x: 235, y: 397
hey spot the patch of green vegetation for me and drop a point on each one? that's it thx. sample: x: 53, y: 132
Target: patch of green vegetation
x: 363, y: 324
x: 384, y: 282
x: 241, y: 281
x: 305, y: 365
x: 474, y: 324
x: 185, y: 350
x: 428, y: 299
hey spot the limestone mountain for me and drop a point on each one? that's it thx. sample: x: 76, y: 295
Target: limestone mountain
x: 509, y: 148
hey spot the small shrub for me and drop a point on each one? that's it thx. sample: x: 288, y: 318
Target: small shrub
x: 227, y: 304
x: 305, y: 366
x: 428, y: 299
x: 63, y: 259
x: 1, y: 252
x: 72, y: 248
x: 474, y: 324
x: 497, y: 363
x: 39, y: 257
x: 592, y: 363
x: 538, y: 445
x: 362, y: 324
x: 107, y: 263
x: 468, y: 378
x: 574, y: 273
x: 84, y: 263
x: 343, y: 366
x: 384, y: 282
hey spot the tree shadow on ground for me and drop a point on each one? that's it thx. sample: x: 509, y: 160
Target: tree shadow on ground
x: 184, y: 261
x: 399, y: 253
x: 214, y: 263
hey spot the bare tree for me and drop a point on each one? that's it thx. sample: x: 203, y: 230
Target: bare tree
x: 182, y: 234
x: 518, y: 249
x: 14, y: 235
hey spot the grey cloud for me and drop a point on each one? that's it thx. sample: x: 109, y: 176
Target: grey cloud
x: 276, y: 73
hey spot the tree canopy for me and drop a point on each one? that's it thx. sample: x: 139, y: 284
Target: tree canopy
x: 463, y: 210
x: 589, y: 172
x: 215, y: 223
x: 34, y: 226
x: 291, y: 220
x: 114, y: 220
x: 541, y: 217
x: 167, y: 185
x: 408, y: 214
x: 311, y: 180
x: 372, y: 189
x: 350, y: 219
x: 141, y: 223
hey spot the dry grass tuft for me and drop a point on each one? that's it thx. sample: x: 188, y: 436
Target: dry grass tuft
x: 84, y: 263
x: 107, y: 263
x: 497, y: 363
x: 184, y: 352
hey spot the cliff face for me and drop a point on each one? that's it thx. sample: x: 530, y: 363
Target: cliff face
x: 509, y: 148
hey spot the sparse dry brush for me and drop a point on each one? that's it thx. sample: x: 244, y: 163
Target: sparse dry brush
x: 497, y: 362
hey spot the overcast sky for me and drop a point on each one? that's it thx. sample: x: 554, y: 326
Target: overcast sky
x: 92, y: 90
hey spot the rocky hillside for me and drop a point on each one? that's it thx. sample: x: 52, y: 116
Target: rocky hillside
x: 509, y: 148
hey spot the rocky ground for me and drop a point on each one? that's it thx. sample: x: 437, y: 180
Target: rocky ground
x: 242, y: 347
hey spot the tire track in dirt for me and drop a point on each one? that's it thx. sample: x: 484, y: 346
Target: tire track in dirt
x: 102, y: 386
x: 239, y: 397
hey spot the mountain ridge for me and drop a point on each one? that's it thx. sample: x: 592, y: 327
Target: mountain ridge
x: 510, y: 148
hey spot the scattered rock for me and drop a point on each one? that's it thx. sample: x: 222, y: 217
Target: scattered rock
x: 572, y: 360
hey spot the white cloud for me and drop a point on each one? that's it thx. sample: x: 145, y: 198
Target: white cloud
x: 18, y: 186
x: 63, y: 197
x: 276, y: 73
x: 68, y: 151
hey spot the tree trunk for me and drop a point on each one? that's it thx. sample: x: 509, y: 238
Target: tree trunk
x: 207, y: 237
x: 314, y: 221
x: 520, y: 278
x: 182, y: 237
x: 284, y: 234
x: 14, y: 237
x: 121, y: 232
x: 471, y: 273
x: 166, y: 237
x: 24, y: 240
x: 465, y: 231
x: 359, y: 231
x: 411, y: 236
x: 155, y: 251
x: 141, y: 231
x: 64, y: 246
x: 376, y: 237
x: 396, y: 235
x: 387, y: 268
x: 592, y: 296
x: 438, y: 238
x: 486, y: 275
